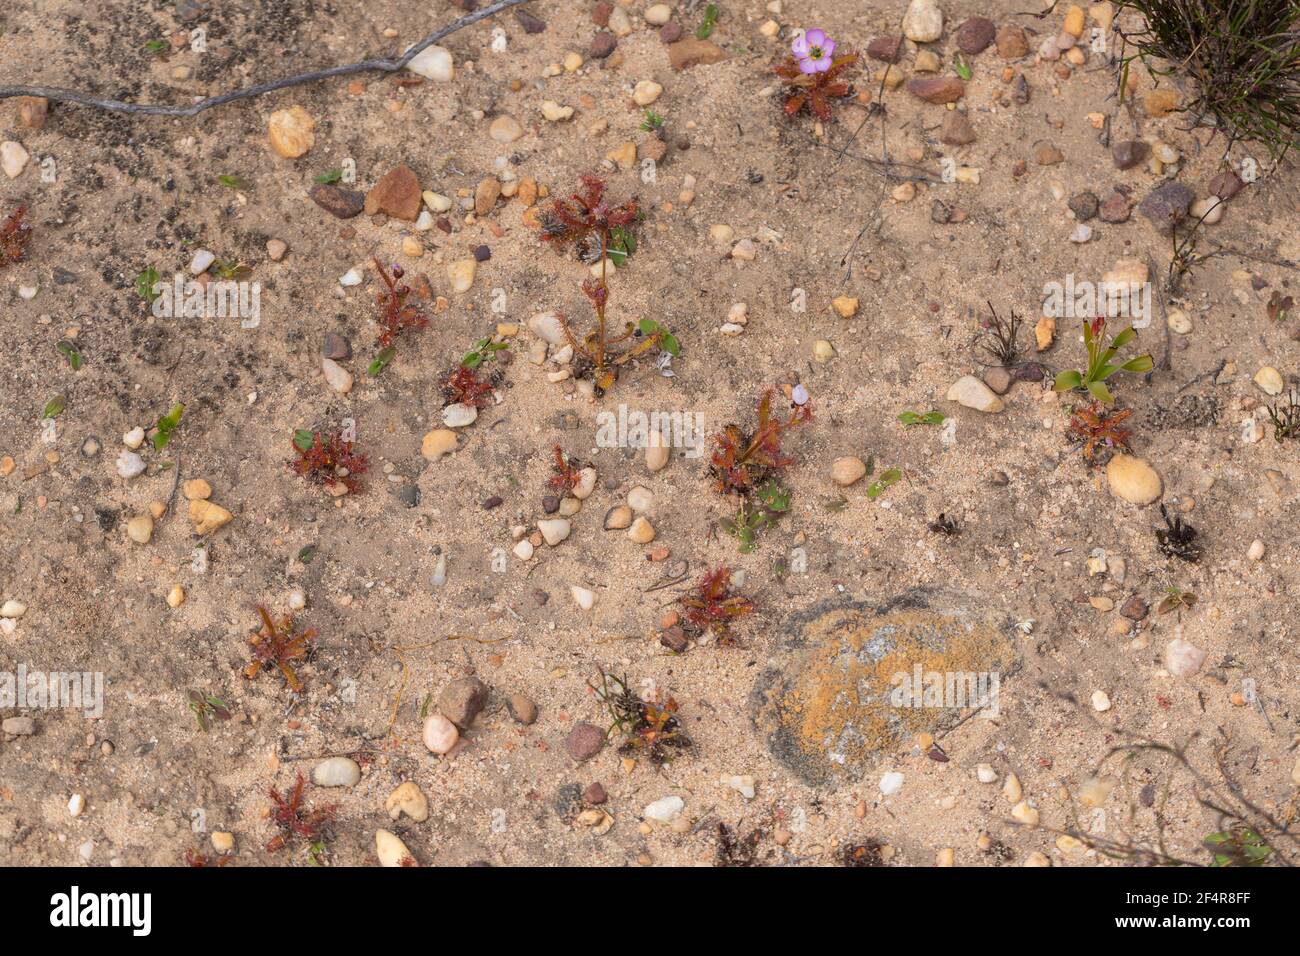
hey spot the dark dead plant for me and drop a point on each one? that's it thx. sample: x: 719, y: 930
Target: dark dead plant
x: 1285, y: 417
x: 1177, y: 538
x: 649, y: 728
x: 998, y: 338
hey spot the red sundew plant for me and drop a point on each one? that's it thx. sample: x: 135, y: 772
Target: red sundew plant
x: 328, y: 460
x: 278, y: 646
x: 813, y: 75
x: 15, y: 234
x: 566, y: 472
x: 712, y: 607
x: 464, y: 386
x: 741, y: 461
x: 293, y: 820
x: 601, y: 230
x: 1096, y: 426
x: 746, y: 465
x: 396, y: 315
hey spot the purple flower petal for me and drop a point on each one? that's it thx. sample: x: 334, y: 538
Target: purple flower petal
x: 816, y: 66
x: 807, y: 65
x: 816, y: 37
x: 800, y: 46
x: 828, y: 47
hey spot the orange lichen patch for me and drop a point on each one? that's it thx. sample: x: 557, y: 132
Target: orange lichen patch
x: 849, y: 695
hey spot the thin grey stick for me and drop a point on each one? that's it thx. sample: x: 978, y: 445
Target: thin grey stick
x: 61, y: 95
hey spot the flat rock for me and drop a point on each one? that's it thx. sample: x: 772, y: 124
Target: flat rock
x: 886, y: 49
x: 336, y: 772
x: 937, y: 89
x: 1128, y: 153
x: 832, y: 702
x: 957, y: 129
x: 689, y: 52
x: 433, y: 63
x: 1012, y: 43
x: 971, y: 392
x: 584, y: 741
x: 1226, y: 185
x: 923, y: 21
x: 397, y: 194
x: 1115, y: 209
x: 337, y: 201
x: 463, y: 700
x: 975, y: 34
x: 1166, y: 206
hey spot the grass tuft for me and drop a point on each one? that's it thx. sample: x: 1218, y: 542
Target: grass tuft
x: 1244, y: 56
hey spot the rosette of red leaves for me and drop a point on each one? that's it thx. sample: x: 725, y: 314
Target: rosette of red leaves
x: 278, y: 645
x: 293, y: 819
x: 326, y: 460
x: 815, y: 90
x: 742, y: 461
x: 586, y: 215
x: 464, y: 386
x: 1095, y: 426
x: 712, y: 607
x: 15, y: 233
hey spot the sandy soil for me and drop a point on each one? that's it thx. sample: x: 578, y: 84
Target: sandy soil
x: 133, y: 192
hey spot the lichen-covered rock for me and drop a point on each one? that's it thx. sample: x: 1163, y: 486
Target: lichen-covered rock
x: 840, y: 691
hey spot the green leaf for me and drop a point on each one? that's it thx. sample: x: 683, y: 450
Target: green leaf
x: 306, y: 554
x: 145, y: 282
x: 774, y: 497
x: 381, y: 360
x: 916, y: 418
x: 471, y: 360
x: 329, y: 178
x: 1121, y: 340
x: 1143, y: 363
x: 647, y: 326
x: 960, y: 66
x: 71, y: 354
x: 54, y: 407
x: 156, y: 46
x: 891, y: 476
x: 230, y: 182
x: 670, y: 344
x: 1067, y: 380
x: 1099, y: 391
x: 303, y: 439
x: 166, y: 425
x: 708, y: 23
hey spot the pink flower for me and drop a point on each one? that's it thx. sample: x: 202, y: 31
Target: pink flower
x: 814, y: 51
